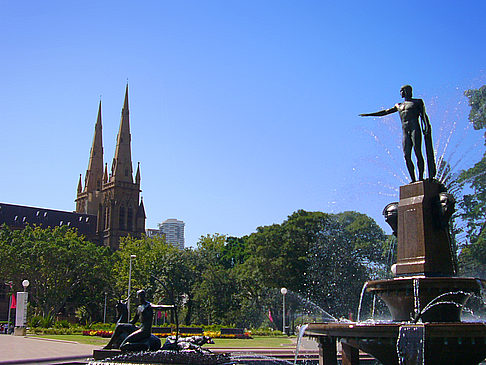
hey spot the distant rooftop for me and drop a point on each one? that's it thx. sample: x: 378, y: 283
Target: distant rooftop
x: 18, y: 216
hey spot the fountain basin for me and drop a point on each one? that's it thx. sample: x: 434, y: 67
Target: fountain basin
x: 406, y: 297
x: 444, y: 343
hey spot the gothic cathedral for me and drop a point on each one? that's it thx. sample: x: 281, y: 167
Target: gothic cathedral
x: 114, y: 198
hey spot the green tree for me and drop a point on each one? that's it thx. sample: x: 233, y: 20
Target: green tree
x: 472, y: 258
x: 215, y: 292
x: 477, y: 102
x: 474, y: 205
x: 281, y: 251
x: 336, y: 272
x: 65, y: 270
x: 367, y: 238
x: 175, y: 278
x: 253, y: 296
x: 235, y: 251
x: 148, y: 252
x: 324, y: 257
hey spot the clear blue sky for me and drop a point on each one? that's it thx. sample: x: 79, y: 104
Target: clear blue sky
x: 241, y: 111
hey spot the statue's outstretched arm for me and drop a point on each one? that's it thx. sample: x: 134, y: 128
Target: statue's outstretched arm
x: 380, y: 113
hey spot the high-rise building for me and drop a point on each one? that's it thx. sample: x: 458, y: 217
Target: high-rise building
x: 114, y: 198
x: 172, y: 230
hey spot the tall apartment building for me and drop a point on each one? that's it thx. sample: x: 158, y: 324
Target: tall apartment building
x: 172, y: 230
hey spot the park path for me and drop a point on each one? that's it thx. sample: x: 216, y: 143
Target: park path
x: 34, y: 350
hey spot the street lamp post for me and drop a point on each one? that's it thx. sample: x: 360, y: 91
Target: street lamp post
x: 283, y: 291
x: 9, y: 310
x: 130, y: 283
x: 104, y: 311
x: 9, y: 283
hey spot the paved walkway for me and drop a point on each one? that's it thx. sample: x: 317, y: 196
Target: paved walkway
x: 34, y: 350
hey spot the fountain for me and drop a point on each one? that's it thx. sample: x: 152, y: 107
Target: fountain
x: 425, y: 298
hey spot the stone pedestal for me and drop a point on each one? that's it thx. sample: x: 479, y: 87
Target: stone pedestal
x: 327, y: 351
x: 20, y: 331
x: 423, y: 246
x: 102, y: 354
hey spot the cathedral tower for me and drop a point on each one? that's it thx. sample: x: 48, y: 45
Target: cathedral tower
x: 115, y: 198
x: 89, y: 198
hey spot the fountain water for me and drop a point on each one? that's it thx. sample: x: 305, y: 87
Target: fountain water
x: 307, y: 306
x: 299, y: 340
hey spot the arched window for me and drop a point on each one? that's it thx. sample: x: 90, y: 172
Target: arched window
x: 100, y: 223
x: 107, y: 217
x: 121, y: 222
x: 130, y: 219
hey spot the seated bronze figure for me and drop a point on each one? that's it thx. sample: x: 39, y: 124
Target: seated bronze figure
x: 127, y: 336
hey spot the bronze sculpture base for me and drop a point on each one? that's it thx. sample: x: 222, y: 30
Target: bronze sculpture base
x: 398, y: 294
x: 445, y: 343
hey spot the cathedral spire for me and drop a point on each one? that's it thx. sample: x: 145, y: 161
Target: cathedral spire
x: 141, y: 210
x: 105, y: 176
x: 137, y: 175
x: 122, y: 169
x: 80, y: 185
x: 94, y: 174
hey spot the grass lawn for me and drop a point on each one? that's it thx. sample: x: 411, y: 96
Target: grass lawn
x: 256, y: 341
x: 88, y: 340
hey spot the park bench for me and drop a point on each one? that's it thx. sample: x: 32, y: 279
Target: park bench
x: 191, y: 331
x: 162, y: 330
x: 232, y: 331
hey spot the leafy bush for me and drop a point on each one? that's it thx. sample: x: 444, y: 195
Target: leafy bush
x: 43, y: 322
x: 83, y: 315
x: 102, y: 326
x: 266, y: 332
x: 35, y: 321
x: 62, y: 324
x: 47, y: 321
x: 55, y: 331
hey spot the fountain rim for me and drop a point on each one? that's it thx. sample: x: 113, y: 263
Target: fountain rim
x: 390, y: 330
x: 406, y: 282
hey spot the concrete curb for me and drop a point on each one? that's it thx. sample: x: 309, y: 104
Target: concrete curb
x: 48, y: 360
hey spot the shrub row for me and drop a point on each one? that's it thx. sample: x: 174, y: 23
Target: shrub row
x: 40, y: 325
x: 212, y: 334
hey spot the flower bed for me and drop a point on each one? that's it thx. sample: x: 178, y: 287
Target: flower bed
x: 217, y: 334
x: 212, y: 334
x: 100, y: 333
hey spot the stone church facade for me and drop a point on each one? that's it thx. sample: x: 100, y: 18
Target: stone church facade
x: 113, y: 197
x: 108, y: 205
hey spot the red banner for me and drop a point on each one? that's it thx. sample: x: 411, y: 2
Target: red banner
x: 13, y: 303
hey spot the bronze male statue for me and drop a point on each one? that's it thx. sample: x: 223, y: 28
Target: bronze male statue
x: 410, y: 111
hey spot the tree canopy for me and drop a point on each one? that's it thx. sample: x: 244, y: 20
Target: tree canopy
x: 225, y: 280
x: 63, y: 268
x: 325, y: 257
x: 472, y: 259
